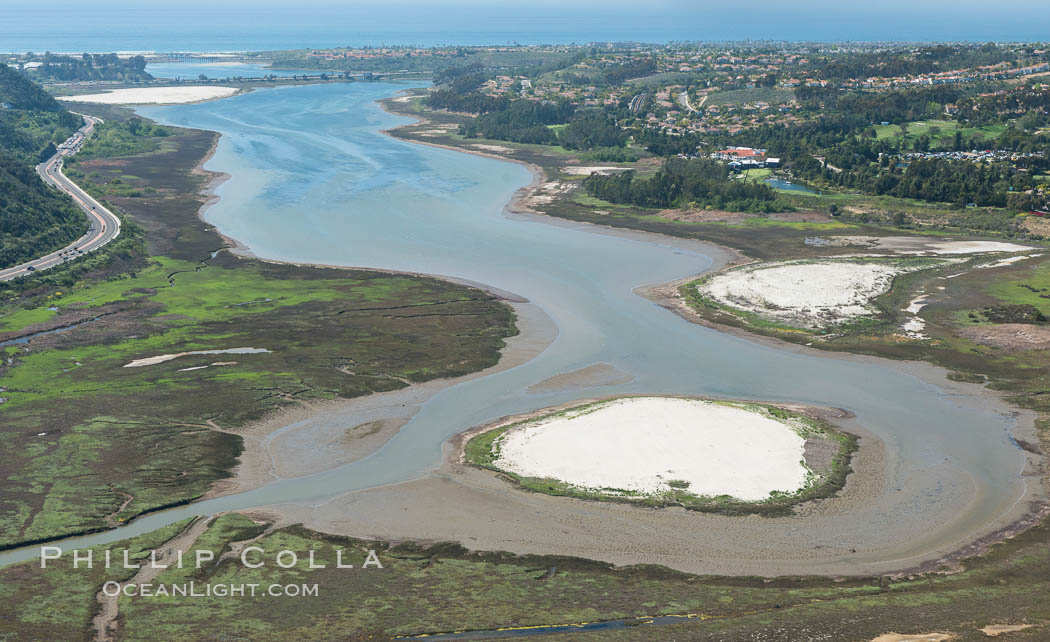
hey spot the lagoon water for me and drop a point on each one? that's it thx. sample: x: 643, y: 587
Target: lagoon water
x: 314, y: 180
x: 218, y: 70
x: 778, y: 183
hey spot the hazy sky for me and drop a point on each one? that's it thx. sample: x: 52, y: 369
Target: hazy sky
x: 135, y: 24
x: 942, y: 8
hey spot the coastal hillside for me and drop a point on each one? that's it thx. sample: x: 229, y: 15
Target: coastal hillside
x: 34, y: 219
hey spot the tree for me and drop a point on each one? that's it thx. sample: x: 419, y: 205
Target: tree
x: 592, y: 128
x: 697, y: 182
x: 48, y: 151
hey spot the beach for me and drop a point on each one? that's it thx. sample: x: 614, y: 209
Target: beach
x: 154, y: 95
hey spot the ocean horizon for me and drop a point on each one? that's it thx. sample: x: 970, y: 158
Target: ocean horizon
x: 62, y: 26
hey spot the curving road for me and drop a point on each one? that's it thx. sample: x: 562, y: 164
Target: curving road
x: 104, y: 226
x: 683, y: 100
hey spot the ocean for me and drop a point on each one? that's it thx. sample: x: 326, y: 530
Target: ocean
x: 236, y: 25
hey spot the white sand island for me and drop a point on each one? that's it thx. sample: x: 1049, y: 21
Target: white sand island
x: 154, y: 95
x: 656, y: 444
x: 807, y: 294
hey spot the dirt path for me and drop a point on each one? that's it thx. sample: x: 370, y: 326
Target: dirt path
x: 105, y: 623
x: 111, y: 519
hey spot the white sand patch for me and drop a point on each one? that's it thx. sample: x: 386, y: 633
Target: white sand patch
x: 923, y: 245
x: 587, y: 171
x: 642, y: 443
x: 188, y: 369
x: 546, y: 193
x: 154, y: 95
x: 993, y: 630
x: 917, y: 304
x: 492, y: 148
x: 972, y: 247
x: 913, y: 637
x: 149, y: 361
x: 914, y: 326
x: 1010, y: 260
x: 803, y: 294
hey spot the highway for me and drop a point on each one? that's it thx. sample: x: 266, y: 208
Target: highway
x: 104, y: 225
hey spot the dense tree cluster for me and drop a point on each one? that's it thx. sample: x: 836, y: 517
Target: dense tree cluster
x: 924, y: 60
x: 591, y: 128
x: 635, y: 69
x: 663, y: 144
x: 120, y: 138
x: 611, y: 155
x: 471, y: 76
x: 28, y: 133
x: 92, y: 67
x: 1030, y: 104
x: 841, y: 147
x: 522, y: 121
x: 791, y: 141
x: 526, y: 121
x: 938, y: 180
x: 471, y: 103
x: 893, y: 106
x: 34, y: 218
x: 17, y: 93
x: 683, y: 183
x: 31, y: 120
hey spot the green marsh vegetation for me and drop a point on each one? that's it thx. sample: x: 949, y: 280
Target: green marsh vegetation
x: 445, y: 587
x: 93, y: 444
